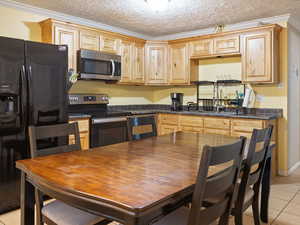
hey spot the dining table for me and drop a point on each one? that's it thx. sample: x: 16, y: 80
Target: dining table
x: 133, y: 183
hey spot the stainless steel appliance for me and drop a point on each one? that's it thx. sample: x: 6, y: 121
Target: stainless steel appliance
x: 32, y: 92
x: 98, y: 65
x: 177, y: 101
x: 106, y: 127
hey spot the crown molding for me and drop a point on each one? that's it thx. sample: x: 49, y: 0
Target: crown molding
x: 91, y: 23
x: 230, y: 27
x: 71, y: 19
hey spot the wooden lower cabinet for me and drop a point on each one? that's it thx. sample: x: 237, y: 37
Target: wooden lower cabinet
x: 83, y: 125
x: 235, y: 127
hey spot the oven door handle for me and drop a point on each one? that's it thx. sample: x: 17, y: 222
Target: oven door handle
x: 113, y: 67
x: 109, y: 120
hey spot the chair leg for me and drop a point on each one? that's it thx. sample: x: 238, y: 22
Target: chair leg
x: 238, y: 218
x: 255, y: 210
x: 39, y: 205
x: 224, y: 220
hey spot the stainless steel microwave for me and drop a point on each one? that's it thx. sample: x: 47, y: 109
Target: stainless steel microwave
x: 98, y: 65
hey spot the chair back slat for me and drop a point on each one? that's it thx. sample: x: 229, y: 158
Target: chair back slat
x: 254, y: 158
x: 49, y: 133
x: 221, y: 185
x: 258, y: 157
x: 212, y: 213
x: 141, y: 127
x: 56, y: 150
x: 60, y: 130
x: 224, y: 154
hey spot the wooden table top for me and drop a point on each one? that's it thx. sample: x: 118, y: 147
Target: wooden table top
x: 131, y: 175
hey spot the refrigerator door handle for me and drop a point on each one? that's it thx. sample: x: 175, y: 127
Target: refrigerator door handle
x: 23, y: 111
x: 30, y: 97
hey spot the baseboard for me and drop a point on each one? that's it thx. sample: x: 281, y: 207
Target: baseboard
x: 293, y: 168
x: 286, y: 173
x: 283, y: 173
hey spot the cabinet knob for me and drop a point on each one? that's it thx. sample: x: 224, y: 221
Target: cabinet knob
x: 174, y: 64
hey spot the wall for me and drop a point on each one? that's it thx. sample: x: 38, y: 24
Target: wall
x: 119, y: 94
x: 20, y: 24
x: 294, y: 97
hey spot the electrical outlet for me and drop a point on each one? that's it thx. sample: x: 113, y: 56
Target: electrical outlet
x: 259, y: 98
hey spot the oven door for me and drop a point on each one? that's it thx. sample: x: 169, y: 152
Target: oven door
x: 107, y: 131
x: 97, y: 65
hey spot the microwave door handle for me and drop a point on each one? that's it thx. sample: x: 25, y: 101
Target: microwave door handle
x: 113, y: 67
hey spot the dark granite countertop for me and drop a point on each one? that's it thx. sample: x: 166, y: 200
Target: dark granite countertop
x: 78, y: 116
x: 261, y: 114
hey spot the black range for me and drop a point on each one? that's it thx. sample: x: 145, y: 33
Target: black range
x: 106, y: 127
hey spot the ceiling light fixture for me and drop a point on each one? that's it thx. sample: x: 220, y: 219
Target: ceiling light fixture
x: 158, y: 5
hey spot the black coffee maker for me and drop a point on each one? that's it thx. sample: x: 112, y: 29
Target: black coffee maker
x: 177, y: 101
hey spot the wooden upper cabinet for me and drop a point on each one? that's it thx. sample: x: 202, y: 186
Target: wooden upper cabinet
x: 201, y: 48
x: 179, y: 64
x: 109, y: 44
x: 138, y: 75
x: 68, y: 36
x: 89, y: 40
x: 126, y: 54
x: 157, y: 63
x: 227, y: 45
x: 259, y: 57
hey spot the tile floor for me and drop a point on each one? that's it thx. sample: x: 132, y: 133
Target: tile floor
x: 284, y: 204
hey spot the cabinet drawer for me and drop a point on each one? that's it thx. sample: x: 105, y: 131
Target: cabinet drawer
x: 201, y: 48
x: 217, y: 123
x: 192, y: 121
x: 192, y: 129
x: 246, y: 125
x: 227, y: 44
x: 83, y: 124
x: 241, y: 134
x: 216, y: 131
x: 169, y: 119
x: 168, y: 129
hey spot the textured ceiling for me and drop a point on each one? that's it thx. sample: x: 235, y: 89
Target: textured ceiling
x: 180, y: 16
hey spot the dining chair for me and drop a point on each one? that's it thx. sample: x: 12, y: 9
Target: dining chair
x: 253, y: 169
x: 140, y: 127
x: 57, y: 212
x: 222, y: 185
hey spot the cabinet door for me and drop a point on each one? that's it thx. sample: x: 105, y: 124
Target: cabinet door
x: 126, y: 53
x: 89, y: 40
x: 179, y: 63
x: 84, y: 140
x: 257, y: 57
x: 157, y: 59
x: 227, y: 45
x: 109, y: 44
x: 138, y: 75
x: 201, y: 48
x: 68, y: 36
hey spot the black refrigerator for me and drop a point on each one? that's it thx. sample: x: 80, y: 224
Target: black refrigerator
x: 33, y: 91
